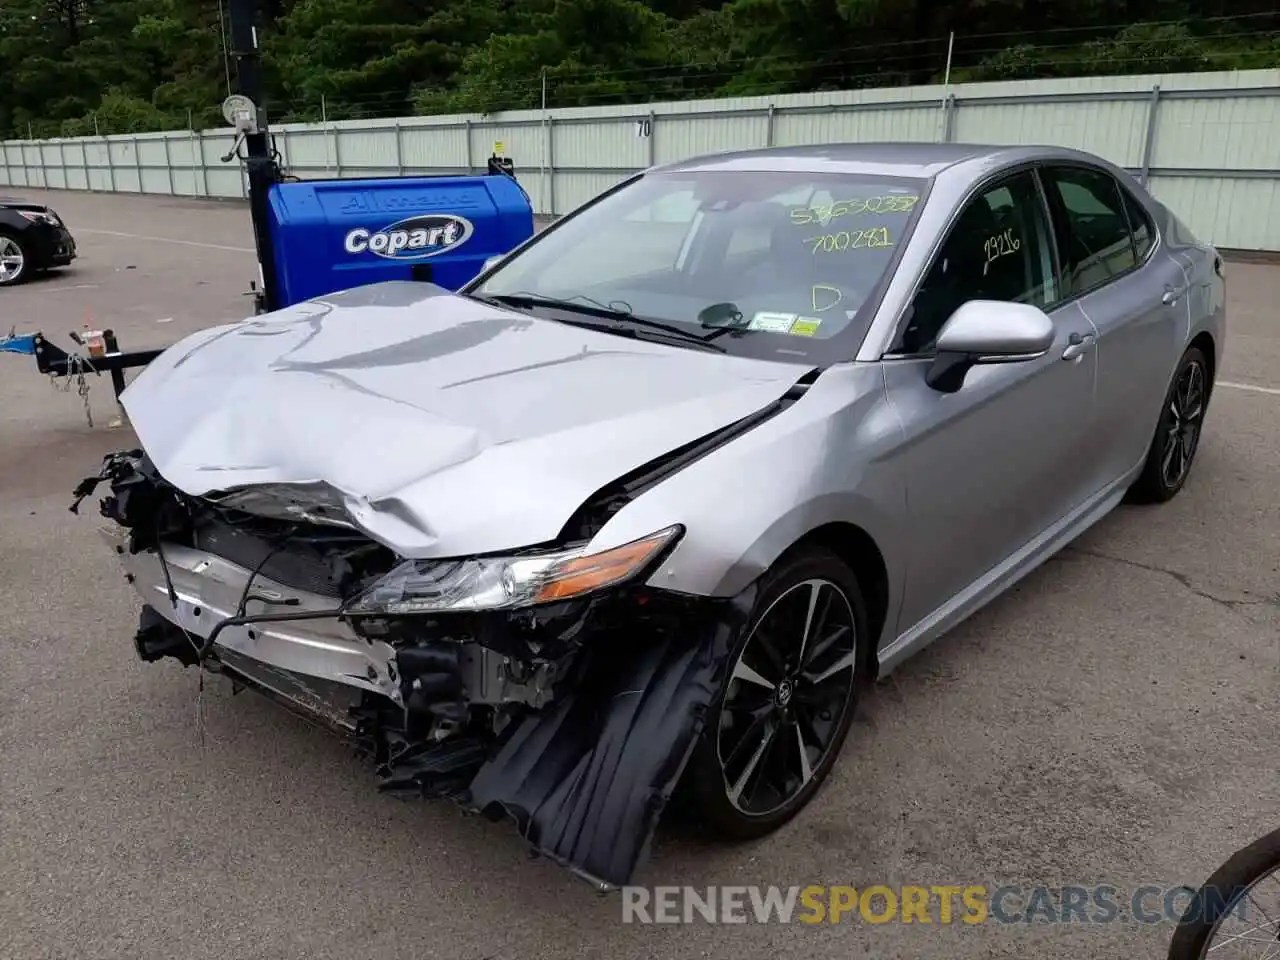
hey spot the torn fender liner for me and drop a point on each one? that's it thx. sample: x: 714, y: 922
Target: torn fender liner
x: 588, y: 778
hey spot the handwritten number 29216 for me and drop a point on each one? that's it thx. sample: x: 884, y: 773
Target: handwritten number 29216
x: 1001, y: 245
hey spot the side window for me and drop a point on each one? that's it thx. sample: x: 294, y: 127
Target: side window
x: 1139, y: 225
x: 1094, y: 241
x: 998, y: 249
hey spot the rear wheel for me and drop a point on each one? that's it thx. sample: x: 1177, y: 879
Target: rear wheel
x: 15, y: 261
x: 783, y: 714
x: 1177, y: 437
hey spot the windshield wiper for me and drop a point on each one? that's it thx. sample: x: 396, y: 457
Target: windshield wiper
x: 594, y: 308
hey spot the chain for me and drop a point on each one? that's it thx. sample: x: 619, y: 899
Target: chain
x: 82, y: 388
x: 76, y: 367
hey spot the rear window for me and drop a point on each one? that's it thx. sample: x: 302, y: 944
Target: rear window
x: 1096, y: 246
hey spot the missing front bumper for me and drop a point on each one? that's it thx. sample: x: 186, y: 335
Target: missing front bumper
x: 208, y: 588
x: 586, y: 778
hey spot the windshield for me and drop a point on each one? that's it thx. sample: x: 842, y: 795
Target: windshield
x: 774, y: 264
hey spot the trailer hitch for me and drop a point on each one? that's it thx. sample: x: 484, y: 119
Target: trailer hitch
x: 56, y: 362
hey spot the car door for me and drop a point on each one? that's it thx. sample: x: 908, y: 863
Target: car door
x: 1134, y: 291
x: 991, y: 466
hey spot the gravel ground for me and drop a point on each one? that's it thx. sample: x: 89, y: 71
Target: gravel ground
x: 1111, y: 721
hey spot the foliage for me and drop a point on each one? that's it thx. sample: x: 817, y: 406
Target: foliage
x: 117, y: 66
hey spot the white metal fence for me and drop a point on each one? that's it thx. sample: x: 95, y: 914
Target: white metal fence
x: 1208, y: 144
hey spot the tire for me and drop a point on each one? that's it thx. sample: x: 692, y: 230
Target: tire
x: 12, y: 247
x: 798, y: 710
x: 1166, y: 469
x: 1216, y: 901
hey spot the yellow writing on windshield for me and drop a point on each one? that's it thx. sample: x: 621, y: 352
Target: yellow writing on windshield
x: 874, y: 238
x: 825, y: 213
x: 823, y: 296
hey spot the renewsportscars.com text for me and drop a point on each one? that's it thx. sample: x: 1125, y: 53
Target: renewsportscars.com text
x: 934, y: 904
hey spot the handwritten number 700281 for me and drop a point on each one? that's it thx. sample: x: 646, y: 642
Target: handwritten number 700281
x: 851, y: 240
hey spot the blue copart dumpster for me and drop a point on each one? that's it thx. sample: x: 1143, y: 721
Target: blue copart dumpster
x: 331, y: 235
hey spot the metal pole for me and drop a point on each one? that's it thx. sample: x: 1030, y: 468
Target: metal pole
x: 399, y: 152
x: 768, y: 129
x: 191, y: 139
x: 652, y: 146
x: 168, y: 163
x: 204, y: 167
x: 1149, y: 146
x: 324, y: 122
x: 111, y: 164
x: 946, y: 82
x: 222, y: 38
x: 551, y: 166
x: 467, y: 131
x: 542, y: 167
x: 137, y: 163
x: 261, y: 167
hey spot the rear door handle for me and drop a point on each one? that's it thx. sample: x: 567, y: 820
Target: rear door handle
x: 1172, y: 296
x: 1078, y: 344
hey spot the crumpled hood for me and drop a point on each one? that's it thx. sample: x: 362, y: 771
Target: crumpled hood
x: 446, y: 427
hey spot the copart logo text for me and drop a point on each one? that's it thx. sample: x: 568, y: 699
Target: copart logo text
x: 413, y: 239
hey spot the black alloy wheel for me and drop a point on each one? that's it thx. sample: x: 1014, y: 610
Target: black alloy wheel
x: 1177, y: 436
x: 788, y: 700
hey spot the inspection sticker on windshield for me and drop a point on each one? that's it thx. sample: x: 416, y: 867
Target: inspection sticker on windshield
x: 805, y: 327
x: 772, y: 322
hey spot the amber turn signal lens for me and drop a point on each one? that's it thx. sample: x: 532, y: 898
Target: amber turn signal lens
x: 586, y: 574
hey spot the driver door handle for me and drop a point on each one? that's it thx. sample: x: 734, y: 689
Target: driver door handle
x: 1078, y: 344
x: 1172, y: 296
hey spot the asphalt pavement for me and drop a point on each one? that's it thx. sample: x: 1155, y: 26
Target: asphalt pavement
x: 1111, y: 721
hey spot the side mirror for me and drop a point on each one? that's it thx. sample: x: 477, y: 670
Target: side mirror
x: 984, y: 332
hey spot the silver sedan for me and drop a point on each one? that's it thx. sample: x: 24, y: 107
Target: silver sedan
x: 640, y: 511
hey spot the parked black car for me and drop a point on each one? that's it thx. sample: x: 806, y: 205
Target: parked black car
x: 32, y: 238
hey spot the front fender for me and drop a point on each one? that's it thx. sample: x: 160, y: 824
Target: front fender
x: 823, y: 460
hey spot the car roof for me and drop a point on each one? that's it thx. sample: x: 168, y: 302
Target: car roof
x: 905, y: 159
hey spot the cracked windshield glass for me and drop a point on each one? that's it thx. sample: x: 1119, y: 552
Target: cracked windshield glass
x: 767, y: 264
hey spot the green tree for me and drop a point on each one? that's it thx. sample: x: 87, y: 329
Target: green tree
x: 133, y: 65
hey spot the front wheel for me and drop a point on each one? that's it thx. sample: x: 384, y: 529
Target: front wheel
x: 15, y: 261
x: 1177, y: 436
x: 1237, y: 911
x: 784, y: 711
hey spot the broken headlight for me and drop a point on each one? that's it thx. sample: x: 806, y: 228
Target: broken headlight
x: 501, y: 583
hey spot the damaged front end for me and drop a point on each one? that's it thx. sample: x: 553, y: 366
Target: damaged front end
x: 545, y: 685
